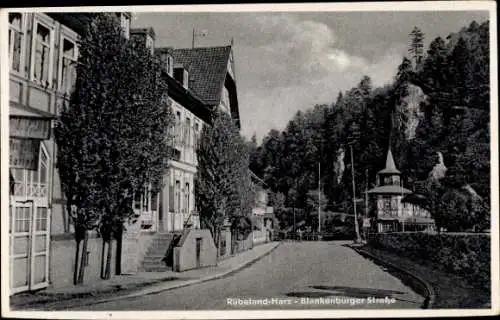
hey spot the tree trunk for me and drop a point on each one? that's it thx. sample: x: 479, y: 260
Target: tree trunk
x: 119, y: 242
x: 103, y: 248
x: 107, y: 271
x: 83, y: 260
x: 218, y: 236
x: 77, y: 264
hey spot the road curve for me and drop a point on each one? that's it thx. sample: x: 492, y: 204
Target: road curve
x: 297, y: 275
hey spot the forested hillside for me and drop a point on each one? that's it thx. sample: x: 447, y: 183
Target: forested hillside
x: 437, y: 105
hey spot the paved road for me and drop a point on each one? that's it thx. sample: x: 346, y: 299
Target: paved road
x: 295, y: 275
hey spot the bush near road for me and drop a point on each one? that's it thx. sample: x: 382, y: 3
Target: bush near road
x: 464, y: 254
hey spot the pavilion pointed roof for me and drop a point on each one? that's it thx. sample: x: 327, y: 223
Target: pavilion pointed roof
x: 390, y: 166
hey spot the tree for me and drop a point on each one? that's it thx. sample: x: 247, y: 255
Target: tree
x: 416, y: 46
x: 316, y: 201
x: 223, y: 178
x: 118, y: 117
x: 454, y: 80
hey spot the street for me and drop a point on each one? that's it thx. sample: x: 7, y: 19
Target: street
x: 297, y: 275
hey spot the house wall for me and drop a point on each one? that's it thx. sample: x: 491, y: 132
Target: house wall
x: 175, y: 207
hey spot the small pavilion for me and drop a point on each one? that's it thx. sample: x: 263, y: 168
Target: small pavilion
x: 393, y: 211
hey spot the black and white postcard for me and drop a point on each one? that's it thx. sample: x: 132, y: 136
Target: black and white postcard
x: 250, y: 161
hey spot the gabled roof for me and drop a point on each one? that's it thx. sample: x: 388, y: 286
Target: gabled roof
x: 390, y: 166
x: 207, y: 68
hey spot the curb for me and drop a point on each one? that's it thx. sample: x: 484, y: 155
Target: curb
x: 159, y: 288
x: 430, y: 295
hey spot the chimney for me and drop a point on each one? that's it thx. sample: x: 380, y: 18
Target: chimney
x: 166, y: 59
x: 144, y: 37
x: 181, y: 75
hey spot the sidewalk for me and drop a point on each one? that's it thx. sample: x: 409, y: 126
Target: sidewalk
x: 142, y: 283
x: 448, y: 290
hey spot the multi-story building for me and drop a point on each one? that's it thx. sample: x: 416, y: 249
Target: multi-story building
x: 199, y: 80
x: 43, y: 52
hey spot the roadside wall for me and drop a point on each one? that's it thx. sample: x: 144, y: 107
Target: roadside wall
x: 62, y: 261
x: 243, y: 245
x: 185, y: 253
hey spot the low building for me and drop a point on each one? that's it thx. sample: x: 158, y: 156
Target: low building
x: 263, y: 219
x: 395, y: 208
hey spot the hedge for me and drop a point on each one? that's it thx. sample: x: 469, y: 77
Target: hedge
x: 466, y: 255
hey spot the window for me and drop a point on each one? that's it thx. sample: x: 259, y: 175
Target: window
x: 22, y: 220
x: 178, y: 132
x: 186, y: 198
x: 196, y: 134
x: 33, y: 183
x: 42, y: 54
x: 41, y: 219
x: 16, y: 37
x: 67, y: 65
x: 187, y: 132
x: 178, y: 196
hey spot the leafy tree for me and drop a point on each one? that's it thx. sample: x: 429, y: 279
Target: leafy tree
x: 120, y: 120
x: 223, y: 183
x: 316, y: 201
x: 454, y: 76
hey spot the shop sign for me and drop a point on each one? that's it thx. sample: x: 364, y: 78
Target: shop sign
x: 24, y: 153
x: 29, y: 128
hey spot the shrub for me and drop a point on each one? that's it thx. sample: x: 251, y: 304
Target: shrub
x: 466, y: 255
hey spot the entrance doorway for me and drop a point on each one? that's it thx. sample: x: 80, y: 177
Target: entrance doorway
x: 29, y: 246
x: 198, y: 252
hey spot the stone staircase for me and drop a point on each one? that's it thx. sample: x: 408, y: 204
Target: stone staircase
x: 154, y: 260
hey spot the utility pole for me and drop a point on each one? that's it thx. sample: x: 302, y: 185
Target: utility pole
x: 319, y: 197
x: 354, y: 197
x: 294, y: 227
x: 366, y: 204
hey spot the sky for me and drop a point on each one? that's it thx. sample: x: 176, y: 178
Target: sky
x: 290, y: 61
